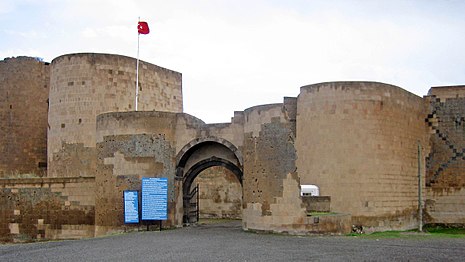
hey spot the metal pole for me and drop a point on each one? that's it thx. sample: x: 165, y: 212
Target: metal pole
x: 137, y: 70
x: 198, y: 203
x: 420, y: 187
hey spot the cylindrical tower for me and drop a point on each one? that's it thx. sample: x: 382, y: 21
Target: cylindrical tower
x: 85, y: 85
x: 358, y: 141
x: 24, y: 86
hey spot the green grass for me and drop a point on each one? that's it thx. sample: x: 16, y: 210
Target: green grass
x: 445, y: 230
x: 393, y: 234
x: 428, y: 232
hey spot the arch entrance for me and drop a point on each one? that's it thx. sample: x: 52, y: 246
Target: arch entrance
x: 197, y: 156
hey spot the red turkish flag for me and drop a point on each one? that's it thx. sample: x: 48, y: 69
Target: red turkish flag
x: 143, y: 28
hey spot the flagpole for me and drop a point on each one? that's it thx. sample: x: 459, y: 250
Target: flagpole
x: 137, y: 70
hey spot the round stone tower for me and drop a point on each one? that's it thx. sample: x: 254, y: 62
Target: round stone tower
x: 83, y: 86
x: 358, y: 141
x: 24, y: 86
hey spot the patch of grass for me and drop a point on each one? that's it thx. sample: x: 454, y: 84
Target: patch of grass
x: 442, y: 230
x: 387, y: 234
x: 429, y: 232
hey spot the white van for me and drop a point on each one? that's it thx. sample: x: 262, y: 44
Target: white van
x: 309, y: 190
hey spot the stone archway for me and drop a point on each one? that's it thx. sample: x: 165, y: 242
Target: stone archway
x: 201, y: 154
x: 193, y: 172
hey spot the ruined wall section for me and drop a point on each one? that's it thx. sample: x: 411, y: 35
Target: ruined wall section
x: 358, y: 141
x: 46, y: 208
x: 445, y: 174
x: 130, y: 146
x: 85, y: 85
x: 271, y: 200
x: 24, y: 88
x: 269, y: 154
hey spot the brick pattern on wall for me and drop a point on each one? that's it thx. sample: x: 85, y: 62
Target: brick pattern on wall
x: 446, y: 161
x: 445, y: 173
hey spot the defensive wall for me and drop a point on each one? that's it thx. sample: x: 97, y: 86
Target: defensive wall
x: 366, y: 145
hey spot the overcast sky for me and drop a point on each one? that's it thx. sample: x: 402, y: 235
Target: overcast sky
x: 236, y: 54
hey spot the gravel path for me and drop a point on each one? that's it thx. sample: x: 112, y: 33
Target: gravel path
x: 227, y: 242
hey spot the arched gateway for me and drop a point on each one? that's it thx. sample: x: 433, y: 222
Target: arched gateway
x: 200, y: 154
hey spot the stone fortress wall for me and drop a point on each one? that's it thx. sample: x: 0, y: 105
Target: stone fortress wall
x: 24, y: 88
x: 357, y: 141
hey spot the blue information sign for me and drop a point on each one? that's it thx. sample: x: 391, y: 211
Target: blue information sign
x: 131, y: 206
x: 154, y: 198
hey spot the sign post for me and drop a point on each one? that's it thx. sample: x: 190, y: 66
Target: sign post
x: 131, y: 206
x: 154, y: 199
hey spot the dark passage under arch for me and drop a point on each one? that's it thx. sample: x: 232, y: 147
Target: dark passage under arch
x: 198, y: 155
x: 191, y: 174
